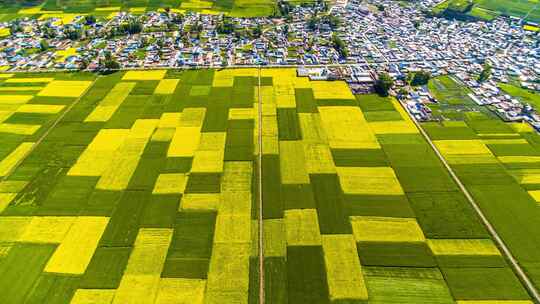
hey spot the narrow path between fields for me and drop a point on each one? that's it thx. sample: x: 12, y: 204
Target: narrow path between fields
x: 52, y: 126
x: 531, y: 289
x: 259, y: 174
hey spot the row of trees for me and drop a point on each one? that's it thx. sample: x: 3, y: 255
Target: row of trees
x: 340, y: 46
x: 385, y: 82
x: 315, y: 21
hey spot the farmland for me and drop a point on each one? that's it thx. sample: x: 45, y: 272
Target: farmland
x: 498, y: 163
x: 142, y: 187
x: 104, y: 8
x: 489, y: 9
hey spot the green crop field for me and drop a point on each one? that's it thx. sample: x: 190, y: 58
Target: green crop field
x: 489, y: 9
x: 142, y: 187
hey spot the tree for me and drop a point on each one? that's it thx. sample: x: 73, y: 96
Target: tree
x: 334, y: 21
x: 383, y: 84
x: 420, y: 78
x: 402, y: 92
x: 133, y: 26
x: 72, y: 33
x: 16, y: 26
x: 110, y: 63
x: 177, y: 18
x: 43, y: 45
x: 196, y: 28
x: 485, y: 74
x: 225, y: 26
x: 286, y: 29
x: 89, y: 19
x: 313, y: 22
x: 284, y: 8
x: 339, y: 45
x: 380, y: 7
x: 416, y: 24
x: 47, y: 31
x: 257, y: 31
x: 84, y: 64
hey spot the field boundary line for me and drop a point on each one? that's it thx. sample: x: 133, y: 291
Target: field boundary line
x: 526, y: 282
x: 53, y: 125
x: 259, y: 169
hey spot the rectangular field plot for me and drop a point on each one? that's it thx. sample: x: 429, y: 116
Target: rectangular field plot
x: 143, y: 187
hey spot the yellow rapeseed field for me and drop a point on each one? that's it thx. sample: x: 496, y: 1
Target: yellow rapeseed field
x: 180, y: 291
x: 99, y: 154
x: 343, y: 269
x: 108, y: 106
x: 39, y: 108
x: 200, y: 201
x: 331, y: 90
x: 65, y: 88
x: 463, y: 247
x: 29, y: 80
x: 292, y: 162
x: 141, y: 279
x: 184, y: 142
x: 302, y: 227
x: 228, y: 274
x: 369, y: 180
x: 347, y: 128
x: 386, y: 229
x: 9, y: 162
x: 166, y: 86
x: 21, y: 129
x: 144, y: 75
x: 461, y: 147
x: 47, y: 229
x: 90, y: 296
x: 170, y: 183
x: 77, y: 248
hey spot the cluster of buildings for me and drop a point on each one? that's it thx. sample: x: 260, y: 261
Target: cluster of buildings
x: 374, y: 36
x: 507, y: 107
x: 399, y: 38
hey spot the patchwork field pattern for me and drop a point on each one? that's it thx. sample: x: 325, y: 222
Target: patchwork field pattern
x: 346, y: 174
x: 146, y: 190
x: 66, y: 10
x: 499, y: 163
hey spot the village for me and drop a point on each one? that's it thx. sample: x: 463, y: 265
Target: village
x: 352, y: 40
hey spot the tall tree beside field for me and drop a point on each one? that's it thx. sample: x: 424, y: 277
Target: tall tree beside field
x: 340, y: 46
x: 43, y: 45
x: 420, y: 78
x: 383, y: 84
x: 485, y: 74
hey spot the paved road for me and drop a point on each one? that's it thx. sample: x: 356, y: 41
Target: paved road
x: 531, y: 289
